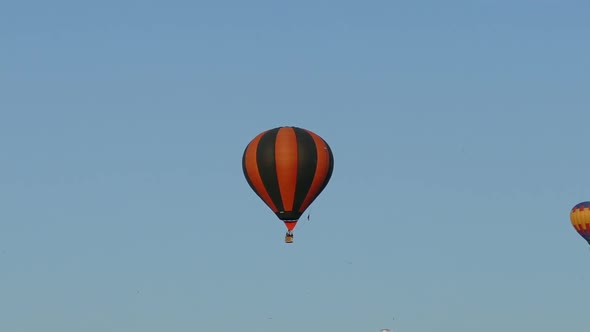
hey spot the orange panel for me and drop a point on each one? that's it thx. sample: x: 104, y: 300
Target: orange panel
x: 253, y: 175
x: 286, y: 165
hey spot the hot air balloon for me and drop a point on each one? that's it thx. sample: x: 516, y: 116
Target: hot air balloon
x: 288, y: 168
x: 580, y: 218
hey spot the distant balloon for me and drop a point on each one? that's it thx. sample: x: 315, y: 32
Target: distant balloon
x: 580, y: 218
x: 288, y: 168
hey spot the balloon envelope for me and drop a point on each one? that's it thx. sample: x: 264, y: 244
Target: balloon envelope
x: 580, y: 218
x: 288, y: 167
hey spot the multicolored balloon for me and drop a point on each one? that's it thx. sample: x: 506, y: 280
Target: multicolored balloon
x: 580, y: 218
x: 288, y: 167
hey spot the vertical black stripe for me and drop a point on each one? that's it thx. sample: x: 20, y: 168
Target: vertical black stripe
x: 267, y: 168
x: 307, y: 158
x: 330, y: 169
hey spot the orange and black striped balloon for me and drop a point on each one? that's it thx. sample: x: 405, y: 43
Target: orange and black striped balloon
x: 288, y: 167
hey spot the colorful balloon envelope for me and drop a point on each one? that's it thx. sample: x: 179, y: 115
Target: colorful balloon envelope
x: 580, y: 218
x: 288, y: 168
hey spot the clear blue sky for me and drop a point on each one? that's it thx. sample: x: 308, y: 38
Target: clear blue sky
x: 459, y: 131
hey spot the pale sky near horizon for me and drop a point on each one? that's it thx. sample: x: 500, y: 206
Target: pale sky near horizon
x: 458, y: 131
